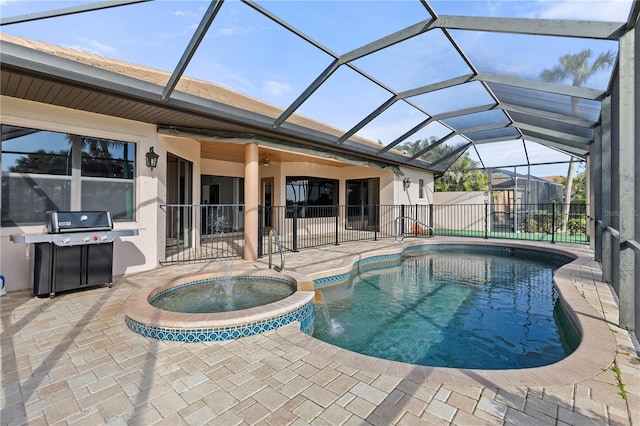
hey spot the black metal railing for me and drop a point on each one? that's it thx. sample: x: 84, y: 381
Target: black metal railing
x: 206, y: 232
x: 197, y: 233
x: 534, y: 222
x: 313, y: 226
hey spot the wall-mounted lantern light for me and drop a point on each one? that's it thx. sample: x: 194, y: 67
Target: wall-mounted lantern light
x: 152, y: 159
x: 406, y: 183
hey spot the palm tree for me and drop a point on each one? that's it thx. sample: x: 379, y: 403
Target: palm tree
x: 416, y: 146
x: 462, y: 175
x: 577, y: 69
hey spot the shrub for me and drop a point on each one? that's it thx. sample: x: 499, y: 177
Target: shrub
x: 577, y: 226
x: 540, y: 222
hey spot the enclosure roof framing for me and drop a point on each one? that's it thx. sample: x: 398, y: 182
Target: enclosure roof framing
x: 501, y: 107
x: 547, y: 115
x: 67, y: 11
x: 550, y: 27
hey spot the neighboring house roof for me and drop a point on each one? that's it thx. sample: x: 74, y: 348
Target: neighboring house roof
x: 502, y: 175
x: 554, y: 179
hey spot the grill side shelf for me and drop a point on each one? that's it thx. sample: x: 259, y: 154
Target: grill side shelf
x: 55, y: 238
x: 31, y: 238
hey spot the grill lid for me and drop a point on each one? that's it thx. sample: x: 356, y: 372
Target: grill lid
x: 59, y: 222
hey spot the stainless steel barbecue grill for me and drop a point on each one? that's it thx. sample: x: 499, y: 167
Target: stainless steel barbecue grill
x: 75, y: 253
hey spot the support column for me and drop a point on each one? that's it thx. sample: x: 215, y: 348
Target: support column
x: 588, y: 182
x: 595, y: 200
x: 606, y: 188
x: 627, y: 177
x: 637, y: 178
x: 614, y: 214
x: 251, y: 201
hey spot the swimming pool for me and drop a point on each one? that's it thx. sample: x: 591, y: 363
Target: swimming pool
x: 485, y: 308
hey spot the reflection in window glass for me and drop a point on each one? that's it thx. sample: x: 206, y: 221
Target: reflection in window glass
x: 107, y: 158
x: 25, y: 198
x: 43, y: 170
x: 35, y: 151
x: 315, y: 197
x: 114, y: 196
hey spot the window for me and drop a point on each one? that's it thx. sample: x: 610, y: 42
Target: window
x: 44, y: 170
x: 315, y: 197
x: 421, y: 188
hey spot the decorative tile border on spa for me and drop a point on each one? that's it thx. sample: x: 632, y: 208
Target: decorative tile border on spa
x: 305, y: 315
x: 144, y: 318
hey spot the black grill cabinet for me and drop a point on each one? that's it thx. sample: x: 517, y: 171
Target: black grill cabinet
x: 76, y: 253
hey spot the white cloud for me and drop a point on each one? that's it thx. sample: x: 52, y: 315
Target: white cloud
x: 228, y: 78
x: 233, y: 31
x: 612, y: 10
x: 277, y: 89
x: 186, y: 14
x: 94, y: 47
x: 101, y: 47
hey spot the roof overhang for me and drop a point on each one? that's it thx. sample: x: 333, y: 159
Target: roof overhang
x: 41, y: 77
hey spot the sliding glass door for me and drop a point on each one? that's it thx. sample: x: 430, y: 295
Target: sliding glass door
x: 363, y: 199
x: 179, y: 200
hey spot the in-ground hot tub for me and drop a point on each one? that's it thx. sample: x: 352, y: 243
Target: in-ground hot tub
x: 225, y: 294
x: 219, y: 323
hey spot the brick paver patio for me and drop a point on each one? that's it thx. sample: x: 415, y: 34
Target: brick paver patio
x: 72, y: 360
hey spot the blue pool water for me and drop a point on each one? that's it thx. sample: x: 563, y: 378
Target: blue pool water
x: 222, y: 295
x: 452, y: 308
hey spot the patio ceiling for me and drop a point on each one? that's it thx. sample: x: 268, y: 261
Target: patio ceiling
x: 467, y: 83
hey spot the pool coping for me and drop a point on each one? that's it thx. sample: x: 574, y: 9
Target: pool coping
x: 595, y: 353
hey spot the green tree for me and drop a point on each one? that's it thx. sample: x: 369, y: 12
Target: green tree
x: 415, y: 147
x: 462, y: 175
x: 578, y: 69
x: 434, y: 154
x: 578, y: 191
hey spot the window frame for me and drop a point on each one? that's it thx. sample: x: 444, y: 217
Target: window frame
x: 75, y: 176
x: 305, y: 209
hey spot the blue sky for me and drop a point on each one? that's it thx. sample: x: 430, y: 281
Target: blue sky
x: 248, y: 53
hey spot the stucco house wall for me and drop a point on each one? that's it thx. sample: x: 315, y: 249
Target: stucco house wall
x: 459, y: 210
x: 131, y: 254
x: 145, y: 251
